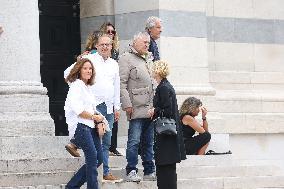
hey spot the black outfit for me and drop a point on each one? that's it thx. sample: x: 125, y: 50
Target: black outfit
x: 113, y: 145
x: 169, y: 150
x: 193, y: 143
x: 153, y: 48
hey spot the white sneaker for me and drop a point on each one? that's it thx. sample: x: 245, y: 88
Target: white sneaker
x: 133, y: 177
x: 150, y: 177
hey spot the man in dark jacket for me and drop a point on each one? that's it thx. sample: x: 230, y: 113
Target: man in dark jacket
x: 154, y: 28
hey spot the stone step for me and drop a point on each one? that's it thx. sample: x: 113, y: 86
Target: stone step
x: 234, y: 123
x: 236, y: 80
x: 245, y: 86
x: 246, y: 77
x: 192, y: 160
x: 210, y: 183
x: 18, y: 103
x: 259, y: 182
x: 211, y: 171
x: 33, y: 147
x: 49, y: 180
x: 40, y: 165
x: 72, y: 164
x: 35, y: 178
x: 253, y: 182
x: 27, y: 124
x: 250, y: 102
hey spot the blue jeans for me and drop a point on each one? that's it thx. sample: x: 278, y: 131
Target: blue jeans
x: 87, y: 139
x: 106, y: 142
x: 140, y: 129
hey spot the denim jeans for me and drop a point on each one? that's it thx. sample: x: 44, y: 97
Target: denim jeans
x: 88, y: 140
x: 106, y: 141
x: 140, y: 129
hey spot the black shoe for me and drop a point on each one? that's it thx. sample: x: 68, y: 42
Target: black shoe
x: 115, y: 153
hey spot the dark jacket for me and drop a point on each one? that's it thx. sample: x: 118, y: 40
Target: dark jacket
x: 114, y: 54
x: 153, y: 48
x: 168, y: 149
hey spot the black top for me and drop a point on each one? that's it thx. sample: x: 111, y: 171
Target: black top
x: 114, y: 54
x: 188, y: 131
x: 168, y: 149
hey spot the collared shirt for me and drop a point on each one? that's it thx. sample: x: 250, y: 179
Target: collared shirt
x: 107, y: 81
x: 153, y: 48
x: 79, y: 98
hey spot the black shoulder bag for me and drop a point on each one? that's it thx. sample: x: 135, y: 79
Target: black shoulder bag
x: 165, y: 126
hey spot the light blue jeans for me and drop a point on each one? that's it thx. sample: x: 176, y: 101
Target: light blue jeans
x: 106, y: 141
x: 140, y: 131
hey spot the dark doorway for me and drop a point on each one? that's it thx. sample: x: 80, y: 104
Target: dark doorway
x: 59, y: 31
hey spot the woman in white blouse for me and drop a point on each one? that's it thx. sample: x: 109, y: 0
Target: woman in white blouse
x: 82, y: 120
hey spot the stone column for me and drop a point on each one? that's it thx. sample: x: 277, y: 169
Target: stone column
x: 184, y: 45
x: 23, y: 99
x: 26, y: 128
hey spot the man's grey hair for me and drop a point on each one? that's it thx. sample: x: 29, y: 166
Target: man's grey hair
x: 151, y: 22
x: 139, y: 35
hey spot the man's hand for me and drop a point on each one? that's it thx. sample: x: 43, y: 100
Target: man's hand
x: 85, y: 53
x: 116, y: 115
x: 98, y: 118
x: 129, y: 111
x: 101, y: 129
x: 151, y: 112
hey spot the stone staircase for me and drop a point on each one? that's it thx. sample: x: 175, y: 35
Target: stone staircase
x: 214, y: 172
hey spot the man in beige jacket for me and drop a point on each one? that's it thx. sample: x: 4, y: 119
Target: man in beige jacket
x: 136, y: 96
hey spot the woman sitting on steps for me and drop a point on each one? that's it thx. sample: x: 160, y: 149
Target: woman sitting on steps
x: 194, y: 145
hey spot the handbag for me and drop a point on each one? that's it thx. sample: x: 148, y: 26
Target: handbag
x: 165, y: 126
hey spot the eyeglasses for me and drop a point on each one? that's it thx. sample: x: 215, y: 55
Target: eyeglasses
x: 113, y: 32
x: 105, y: 44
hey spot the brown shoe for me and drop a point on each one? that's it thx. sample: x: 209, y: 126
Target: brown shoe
x: 111, y: 178
x: 72, y: 149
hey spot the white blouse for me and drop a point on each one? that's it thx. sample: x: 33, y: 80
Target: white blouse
x: 79, y: 98
x: 107, y: 81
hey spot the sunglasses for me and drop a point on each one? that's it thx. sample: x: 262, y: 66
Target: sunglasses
x: 111, y: 32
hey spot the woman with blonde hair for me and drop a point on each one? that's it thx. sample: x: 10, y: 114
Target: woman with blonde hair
x: 194, y: 145
x: 169, y: 149
x: 108, y: 28
x: 92, y: 41
x: 84, y: 124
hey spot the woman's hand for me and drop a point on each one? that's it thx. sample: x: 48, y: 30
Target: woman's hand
x: 101, y: 127
x: 204, y: 112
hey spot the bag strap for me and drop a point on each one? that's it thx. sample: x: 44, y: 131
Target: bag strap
x: 162, y: 113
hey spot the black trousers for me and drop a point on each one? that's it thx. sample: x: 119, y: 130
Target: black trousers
x: 114, y: 130
x: 166, y: 176
x: 193, y: 144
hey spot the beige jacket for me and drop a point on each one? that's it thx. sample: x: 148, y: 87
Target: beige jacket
x: 136, y: 84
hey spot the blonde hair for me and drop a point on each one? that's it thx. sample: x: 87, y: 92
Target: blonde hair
x: 92, y: 40
x: 161, y: 68
x: 75, y: 71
